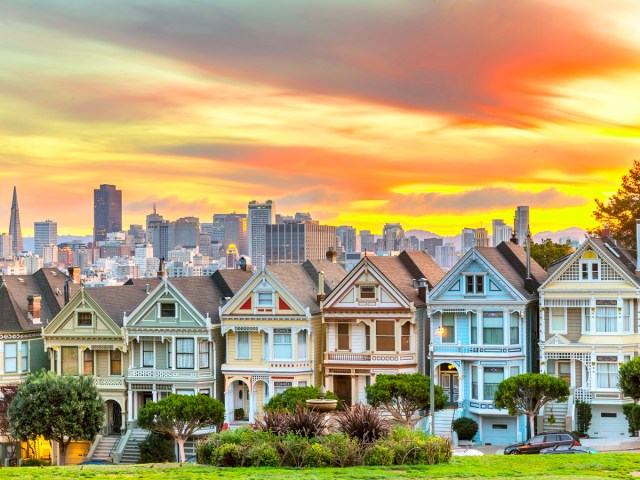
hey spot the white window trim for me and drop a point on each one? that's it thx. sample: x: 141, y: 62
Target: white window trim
x: 590, y: 262
x: 237, y: 338
x: 273, y: 343
x: 606, y: 389
x: 271, y: 303
x: 93, y: 318
x: 619, y: 327
x: 475, y: 293
x: 564, y: 330
x: 176, y: 309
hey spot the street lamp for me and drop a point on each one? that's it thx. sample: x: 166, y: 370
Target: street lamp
x: 439, y: 331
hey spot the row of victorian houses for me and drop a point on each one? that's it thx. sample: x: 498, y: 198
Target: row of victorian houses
x: 243, y: 337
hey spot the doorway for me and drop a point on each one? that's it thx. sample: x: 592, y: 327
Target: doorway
x: 449, y: 383
x: 342, y: 388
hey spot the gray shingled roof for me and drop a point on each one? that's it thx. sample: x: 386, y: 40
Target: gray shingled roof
x: 115, y: 301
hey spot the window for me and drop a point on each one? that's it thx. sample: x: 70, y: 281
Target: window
x: 147, y: 354
x: 367, y: 292
x: 367, y: 338
x: 168, y: 310
x: 279, y: 387
x: 204, y: 391
x: 184, y: 353
x: 558, y: 320
x: 607, y: 374
x: 606, y: 319
x: 343, y: 336
x: 385, y: 335
x: 493, y: 328
x: 405, y: 337
x: 116, y: 362
x: 69, y: 360
x: 474, y: 382
x: 474, y: 284
x: 265, y: 299
x: 514, y: 371
x: 85, y: 319
x: 282, y: 348
x: 586, y: 315
x: 265, y: 346
x: 10, y: 357
x: 243, y: 347
x: 302, y: 384
x: 449, y: 325
x: 169, y: 355
x: 499, y: 426
x: 87, y: 362
x: 589, y: 266
x: 514, y: 329
x: 302, y: 345
x: 474, y: 329
x: 25, y: 357
x: 564, y: 371
x: 492, y: 378
x: 608, y: 415
x: 204, y: 355
x: 627, y: 317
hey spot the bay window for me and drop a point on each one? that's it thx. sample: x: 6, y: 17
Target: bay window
x: 627, y: 317
x: 185, y: 352
x: 607, y: 374
x: 282, y: 348
x: 493, y: 328
x: 204, y: 355
x: 243, y: 348
x: 385, y: 336
x: 474, y: 382
x: 10, y: 357
x: 449, y: 325
x: 405, y: 337
x: 514, y: 328
x: 492, y: 378
x: 606, y: 319
x: 474, y: 329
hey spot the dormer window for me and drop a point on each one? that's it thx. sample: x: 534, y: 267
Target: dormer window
x: 367, y: 292
x: 265, y: 299
x: 168, y: 310
x: 474, y: 285
x: 85, y: 319
x: 590, y: 266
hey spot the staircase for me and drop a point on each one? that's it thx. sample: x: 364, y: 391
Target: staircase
x: 131, y: 452
x: 105, y: 447
x: 442, y: 422
x: 559, y: 412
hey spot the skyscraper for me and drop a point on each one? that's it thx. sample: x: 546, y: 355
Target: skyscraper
x: 482, y: 237
x: 500, y: 231
x: 522, y: 224
x: 45, y: 233
x: 185, y: 232
x: 347, y: 236
x: 14, y: 226
x: 235, y: 232
x: 393, y: 235
x: 367, y: 241
x: 259, y: 215
x: 107, y: 211
x: 296, y: 242
x: 468, y: 239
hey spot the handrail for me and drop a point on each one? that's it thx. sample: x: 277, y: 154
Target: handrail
x: 117, y: 455
x: 115, y: 444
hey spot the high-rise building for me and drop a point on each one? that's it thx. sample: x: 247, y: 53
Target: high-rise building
x: 296, y: 242
x: 235, y: 232
x: 158, y: 233
x: 468, y: 239
x: 446, y: 255
x: 45, y: 233
x: 136, y: 232
x: 393, y: 235
x: 429, y: 245
x: 347, y: 236
x: 217, y: 233
x: 50, y: 255
x: 367, y: 241
x: 6, y: 246
x: 107, y: 211
x: 501, y: 232
x: 481, y: 237
x: 185, y: 232
x: 521, y: 224
x: 259, y: 215
x: 14, y: 226
x: 154, y: 217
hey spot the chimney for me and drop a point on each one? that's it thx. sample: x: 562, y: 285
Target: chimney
x: 607, y: 233
x: 422, y: 289
x: 146, y: 288
x: 33, y: 307
x: 332, y: 255
x: 320, y: 296
x: 74, y: 274
x: 637, y: 246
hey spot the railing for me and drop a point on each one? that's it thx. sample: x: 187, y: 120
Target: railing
x: 478, y: 349
x: 370, y: 357
x: 149, y: 373
x: 109, y: 382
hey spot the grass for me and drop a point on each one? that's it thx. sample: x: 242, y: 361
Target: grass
x: 549, y: 467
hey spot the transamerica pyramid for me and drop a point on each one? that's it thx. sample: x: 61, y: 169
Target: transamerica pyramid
x: 14, y: 226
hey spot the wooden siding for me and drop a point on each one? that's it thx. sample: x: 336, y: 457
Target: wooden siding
x: 574, y: 324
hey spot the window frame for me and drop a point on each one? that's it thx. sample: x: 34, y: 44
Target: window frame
x: 163, y: 305
x: 260, y: 303
x: 72, y: 366
x: 612, y: 385
x: 386, y: 337
x: 279, y: 334
x: 370, y: 295
x: 15, y: 358
x: 474, y: 284
x: 146, y: 364
x: 564, y: 316
x: 204, y: 354
x: 85, y: 361
x: 82, y: 313
x: 24, y: 356
x: 244, y: 335
x: 446, y: 338
x: 115, y: 361
x: 609, y: 320
x: 490, y: 330
x: 405, y: 337
x: 341, y: 336
x: 185, y: 355
x: 303, y: 348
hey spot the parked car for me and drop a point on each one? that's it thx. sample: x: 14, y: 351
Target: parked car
x: 542, y: 441
x: 569, y: 450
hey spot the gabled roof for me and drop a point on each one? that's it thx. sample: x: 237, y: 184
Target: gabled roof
x: 230, y: 281
x: 403, y: 269
x: 118, y: 300
x: 14, y: 290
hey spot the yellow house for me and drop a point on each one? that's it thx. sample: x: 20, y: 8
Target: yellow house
x: 273, y: 334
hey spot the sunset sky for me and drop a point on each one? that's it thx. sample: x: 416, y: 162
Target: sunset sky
x: 439, y: 114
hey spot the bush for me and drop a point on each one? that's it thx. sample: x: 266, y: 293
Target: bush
x: 319, y: 455
x: 583, y: 417
x: 273, y: 421
x: 632, y: 412
x: 465, y: 427
x: 229, y: 455
x: 157, y: 448
x: 413, y: 448
x: 305, y: 423
x: 379, y: 455
x: 346, y: 451
x: 203, y: 452
x: 362, y: 422
x: 238, y: 414
x: 291, y: 397
x: 293, y: 450
x: 34, y: 462
x: 261, y: 455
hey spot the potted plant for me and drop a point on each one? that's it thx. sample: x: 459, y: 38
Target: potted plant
x: 238, y: 414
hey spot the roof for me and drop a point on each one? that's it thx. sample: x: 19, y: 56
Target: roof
x: 14, y: 290
x: 118, y: 300
x: 403, y: 269
x: 230, y: 281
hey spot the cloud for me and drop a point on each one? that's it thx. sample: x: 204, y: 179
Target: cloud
x: 480, y: 200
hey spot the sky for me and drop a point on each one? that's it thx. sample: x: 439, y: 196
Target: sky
x: 439, y: 114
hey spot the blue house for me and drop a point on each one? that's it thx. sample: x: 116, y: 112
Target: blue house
x: 487, y: 304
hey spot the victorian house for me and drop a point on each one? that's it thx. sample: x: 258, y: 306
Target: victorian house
x: 373, y: 322
x: 487, y: 306
x: 589, y: 320
x: 273, y: 334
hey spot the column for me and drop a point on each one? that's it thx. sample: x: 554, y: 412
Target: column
x: 59, y: 360
x: 228, y: 402
x: 80, y: 360
x: 130, y: 405
x: 480, y: 383
x: 543, y: 332
x: 354, y: 389
x: 461, y: 389
x: 252, y: 405
x: 174, y: 347
x: 154, y: 393
x: 196, y: 354
x: 480, y: 326
x: 397, y: 333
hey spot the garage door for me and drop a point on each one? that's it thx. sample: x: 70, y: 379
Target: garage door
x: 498, y: 430
x: 608, y: 421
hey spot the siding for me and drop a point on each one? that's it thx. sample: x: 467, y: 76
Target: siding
x: 357, y: 338
x: 462, y: 328
x: 219, y: 352
x: 574, y: 324
x: 39, y: 358
x: 318, y: 351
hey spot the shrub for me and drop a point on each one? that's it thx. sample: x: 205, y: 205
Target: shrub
x: 293, y: 450
x: 583, y: 417
x: 291, y: 397
x: 346, y: 451
x: 34, y: 462
x: 229, y: 455
x: 412, y: 447
x: 203, y: 452
x: 362, y: 422
x: 379, y: 454
x: 319, y: 455
x: 157, y: 448
x: 272, y: 421
x: 465, y: 427
x: 305, y: 423
x: 261, y: 455
x: 632, y: 412
x: 238, y: 414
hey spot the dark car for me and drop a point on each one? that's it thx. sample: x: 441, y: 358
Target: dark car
x: 568, y: 450
x: 542, y: 441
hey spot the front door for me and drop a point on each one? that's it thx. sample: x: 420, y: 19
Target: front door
x: 342, y: 388
x: 116, y: 418
x: 450, y: 386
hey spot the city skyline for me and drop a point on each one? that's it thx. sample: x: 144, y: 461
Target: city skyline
x: 361, y: 113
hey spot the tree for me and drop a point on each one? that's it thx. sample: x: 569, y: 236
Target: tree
x: 291, y: 397
x: 547, y: 252
x: 7, y: 394
x: 180, y: 416
x: 59, y: 408
x: 620, y: 211
x: 403, y: 396
x: 527, y: 393
x: 629, y: 379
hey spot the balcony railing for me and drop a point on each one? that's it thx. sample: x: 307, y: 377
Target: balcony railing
x: 370, y: 357
x: 487, y: 350
x: 108, y: 382
x: 157, y: 373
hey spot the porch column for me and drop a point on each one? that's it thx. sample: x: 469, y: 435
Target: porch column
x: 130, y: 405
x: 572, y: 383
x: 354, y: 389
x: 80, y: 360
x: 253, y: 403
x: 196, y: 354
x: 174, y: 347
x: 154, y: 393
x: 461, y: 390
x: 58, y: 353
x: 228, y: 401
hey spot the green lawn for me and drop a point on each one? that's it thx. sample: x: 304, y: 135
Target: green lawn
x: 552, y: 467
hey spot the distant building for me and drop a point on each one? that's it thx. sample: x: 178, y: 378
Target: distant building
x: 293, y: 243
x: 158, y: 234
x: 522, y: 224
x: 185, y: 232
x: 412, y: 243
x: 32, y: 263
x: 152, y: 218
x: 481, y: 237
x: 367, y: 241
x: 217, y: 228
x: 232, y: 257
x: 49, y: 255
x: 429, y: 245
x: 15, y: 230
x: 45, y: 233
x: 347, y: 236
x: 6, y: 246
x: 107, y: 211
x: 446, y: 256
x: 259, y: 215
x: 393, y: 236
x: 468, y: 239
x: 136, y: 232
x: 501, y: 232
x: 235, y: 232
